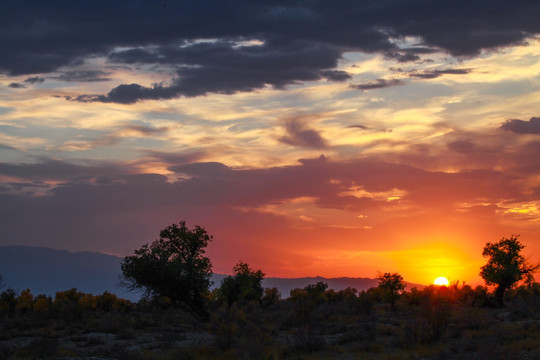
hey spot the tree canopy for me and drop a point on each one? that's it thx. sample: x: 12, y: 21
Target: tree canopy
x: 244, y: 285
x: 506, y: 266
x: 391, y: 285
x: 173, y: 267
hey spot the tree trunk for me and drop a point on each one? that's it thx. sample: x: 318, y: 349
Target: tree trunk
x: 499, y: 293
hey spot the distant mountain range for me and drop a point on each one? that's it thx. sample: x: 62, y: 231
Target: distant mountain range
x: 46, y: 271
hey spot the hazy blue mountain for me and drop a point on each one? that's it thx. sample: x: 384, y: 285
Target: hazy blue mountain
x: 46, y: 271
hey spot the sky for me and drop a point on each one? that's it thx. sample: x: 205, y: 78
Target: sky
x: 309, y: 137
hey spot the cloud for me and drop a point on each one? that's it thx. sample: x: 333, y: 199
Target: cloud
x: 336, y: 75
x: 16, y: 86
x: 216, y: 183
x: 377, y: 84
x: 49, y: 169
x: 174, y: 159
x: 34, y: 80
x: 367, y: 128
x: 248, y: 210
x: 113, y: 137
x: 522, y: 127
x: 83, y: 76
x: 248, y: 46
x: 144, y: 130
x: 432, y: 74
x: 363, y: 127
x: 462, y: 146
x: 6, y: 110
x: 409, y: 54
x: 221, y: 67
x: 103, y: 191
x: 299, y: 134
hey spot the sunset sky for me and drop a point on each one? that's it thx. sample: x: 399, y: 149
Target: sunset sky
x: 331, y: 138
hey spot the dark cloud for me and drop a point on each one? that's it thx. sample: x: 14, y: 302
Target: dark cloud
x: 336, y: 75
x: 213, y: 183
x: 299, y: 134
x: 221, y: 67
x: 522, y: 127
x: 402, y: 57
x: 296, y: 44
x: 16, y: 86
x: 367, y: 128
x: 432, y: 74
x: 7, y: 147
x: 145, y: 130
x: 120, y: 210
x: 462, y: 146
x: 409, y: 54
x: 363, y: 127
x: 524, y: 159
x: 48, y: 169
x: 84, y: 76
x: 34, y: 80
x: 176, y: 159
x: 377, y: 84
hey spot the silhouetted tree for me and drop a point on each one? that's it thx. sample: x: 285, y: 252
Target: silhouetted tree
x: 245, y: 284
x: 391, y: 286
x: 316, y: 292
x: 271, y: 296
x: 174, y: 267
x: 8, y: 301
x: 506, y: 266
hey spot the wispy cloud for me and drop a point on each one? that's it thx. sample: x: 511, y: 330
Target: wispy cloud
x: 378, y: 84
x: 433, y: 74
x: 83, y: 76
x: 298, y: 133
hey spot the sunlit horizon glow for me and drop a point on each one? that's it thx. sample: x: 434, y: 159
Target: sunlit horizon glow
x: 378, y: 146
x: 441, y: 281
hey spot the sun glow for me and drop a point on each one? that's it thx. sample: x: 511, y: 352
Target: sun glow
x: 441, y: 281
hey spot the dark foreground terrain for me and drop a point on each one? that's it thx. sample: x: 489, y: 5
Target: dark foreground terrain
x: 313, y: 323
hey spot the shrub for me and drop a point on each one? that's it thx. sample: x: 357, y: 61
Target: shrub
x: 25, y: 300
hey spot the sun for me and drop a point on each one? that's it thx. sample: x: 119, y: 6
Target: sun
x: 441, y: 281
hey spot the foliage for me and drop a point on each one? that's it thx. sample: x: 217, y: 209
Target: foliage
x: 316, y: 292
x: 173, y: 267
x: 25, y: 301
x: 391, y: 286
x: 506, y: 266
x: 433, y: 323
x: 244, y: 285
x: 241, y: 327
x: 365, y: 302
x: 42, y: 303
x: 271, y: 297
x: 8, y: 301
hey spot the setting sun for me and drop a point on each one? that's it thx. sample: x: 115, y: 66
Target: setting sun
x: 441, y: 281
